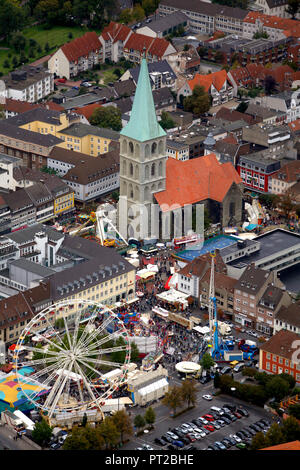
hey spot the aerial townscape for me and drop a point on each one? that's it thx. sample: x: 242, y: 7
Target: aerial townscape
x: 150, y: 227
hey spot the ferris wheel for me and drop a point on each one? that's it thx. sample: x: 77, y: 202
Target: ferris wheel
x: 71, y: 356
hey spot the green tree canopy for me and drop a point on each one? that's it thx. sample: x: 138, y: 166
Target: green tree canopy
x: 173, y: 398
x: 12, y: 17
x: 139, y: 421
x: 42, y: 433
x: 277, y: 387
x: 166, y: 121
x: 84, y: 438
x: 108, y: 117
x: 199, y: 102
x: 123, y: 423
x: 109, y: 432
x: 207, y: 361
x: 150, y: 416
x: 189, y: 392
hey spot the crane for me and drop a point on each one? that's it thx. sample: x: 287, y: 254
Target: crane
x: 217, y: 349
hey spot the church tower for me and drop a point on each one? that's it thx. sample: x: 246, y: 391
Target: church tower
x: 142, y: 160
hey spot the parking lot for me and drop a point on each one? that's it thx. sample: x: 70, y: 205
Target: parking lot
x: 165, y: 423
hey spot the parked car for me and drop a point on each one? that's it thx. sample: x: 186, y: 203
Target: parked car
x: 232, y: 440
x: 209, y: 427
x: 226, y: 420
x: 172, y: 435
x: 255, y: 427
x: 178, y: 443
x: 243, y: 412
x: 229, y: 406
x: 238, y: 368
x: 221, y: 422
x: 207, y: 397
x: 220, y: 445
x: 226, y: 443
x: 208, y: 417
x: 225, y: 370
x: 235, y: 437
x: 241, y: 445
x: 167, y: 438
x: 160, y: 442
x: 55, y: 446
x: 62, y: 80
x: 237, y: 415
x: 191, y: 437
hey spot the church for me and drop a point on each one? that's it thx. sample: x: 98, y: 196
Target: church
x: 154, y: 189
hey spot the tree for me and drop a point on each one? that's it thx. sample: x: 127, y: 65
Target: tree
x: 291, y: 429
x: 135, y: 353
x: 286, y: 205
x: 294, y: 410
x: 207, y: 361
x: 270, y: 85
x: 138, y: 12
x: 42, y: 433
x: 148, y: 7
x: 123, y: 423
x: 125, y: 16
x: 217, y: 381
x: 84, y: 438
x: 274, y: 436
x: 292, y: 8
x: 199, y: 102
x: 18, y: 42
x: 150, y: 416
x: 166, y: 121
x: 242, y: 107
x: 109, y: 432
x: 173, y: 398
x: 289, y: 379
x: 259, y: 441
x: 108, y: 117
x: 189, y: 392
x: 277, y: 387
x: 12, y: 17
x: 47, y: 11
x: 139, y: 421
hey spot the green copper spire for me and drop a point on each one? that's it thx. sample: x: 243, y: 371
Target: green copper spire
x: 143, y: 123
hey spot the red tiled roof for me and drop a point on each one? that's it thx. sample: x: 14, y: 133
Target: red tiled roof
x: 82, y: 46
x: 158, y: 47
x: 293, y: 445
x: 191, y: 181
x: 281, y: 344
x: 294, y: 125
x: 217, y: 79
x: 233, y: 115
x: 290, y: 170
x: 115, y: 32
x: 154, y: 46
x: 87, y: 110
x: 19, y: 107
x: 138, y: 42
x: 288, y: 26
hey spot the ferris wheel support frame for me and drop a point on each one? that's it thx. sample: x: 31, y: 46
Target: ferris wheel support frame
x: 82, y: 355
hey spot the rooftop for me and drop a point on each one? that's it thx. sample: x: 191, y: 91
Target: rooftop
x: 290, y: 314
x: 195, y: 180
x: 281, y: 344
x: 82, y: 130
x: 25, y: 76
x: 271, y: 244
